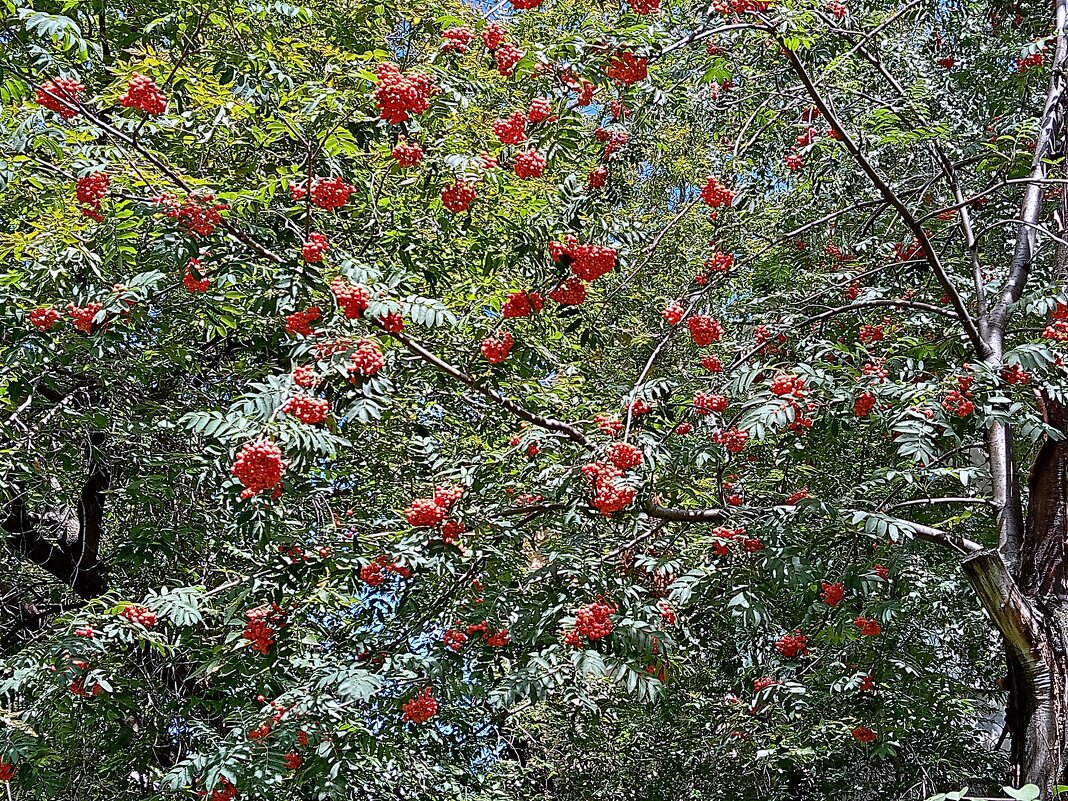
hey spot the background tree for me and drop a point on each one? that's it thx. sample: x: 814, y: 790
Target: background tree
x: 546, y: 400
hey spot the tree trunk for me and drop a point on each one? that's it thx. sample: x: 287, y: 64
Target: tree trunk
x: 1029, y: 606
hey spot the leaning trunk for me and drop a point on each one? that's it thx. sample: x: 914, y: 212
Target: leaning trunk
x: 1029, y: 605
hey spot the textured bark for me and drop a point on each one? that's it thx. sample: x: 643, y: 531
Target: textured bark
x: 1028, y: 602
x: 72, y: 554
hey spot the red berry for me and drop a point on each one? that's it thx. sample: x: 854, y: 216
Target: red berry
x: 457, y: 196
x: 398, y: 95
x: 529, y: 164
x: 143, y: 93
x: 314, y: 248
x: 258, y: 467
x: 421, y: 708
x: 408, y: 155
x: 353, y: 300
x: 367, y: 359
x: 511, y: 130
x: 497, y: 347
x: 60, y: 95
x: 307, y: 409
x: 44, y: 319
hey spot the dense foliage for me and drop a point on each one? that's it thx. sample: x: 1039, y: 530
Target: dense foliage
x: 553, y: 400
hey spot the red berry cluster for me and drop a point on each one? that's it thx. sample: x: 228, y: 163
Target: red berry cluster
x: 44, y: 319
x: 457, y: 196
x: 224, y: 790
x: 497, y: 347
x: 832, y: 594
x: 529, y: 164
x: 866, y: 626
x: 541, y: 108
x: 522, y: 304
x: 785, y: 384
x: 262, y: 628
x: 143, y: 93
x: 704, y: 330
x: 864, y: 735
x: 863, y: 405
x: 608, y: 496
x: 682, y: 429
x: 197, y: 215
x: 425, y: 512
x: 190, y: 280
x: 715, y: 194
x: 727, y: 7
x: 421, y: 708
x: 572, y: 292
x: 292, y: 760
x: 624, y: 455
x: 673, y: 312
x: 588, y: 262
x: 1024, y: 63
x: 399, y: 95
x: 353, y: 300
x: 331, y: 193
x: 507, y: 56
x: 374, y: 573
x: 458, y: 39
x: 493, y: 36
x: 793, y: 645
x: 871, y: 333
x: 307, y: 409
x: 712, y: 364
x: 525, y: 5
x: 314, y: 247
x: 258, y: 467
x: 706, y: 402
x: 60, y: 95
x: 639, y: 407
x: 625, y: 68
x: 393, y: 322
x: 91, y: 190
x: 644, y: 6
x: 667, y: 613
x: 1057, y: 330
x: 511, y: 130
x: 1014, y: 374
x: 82, y: 318
x: 594, y: 621
x: 139, y: 614
x: 408, y: 155
x: 299, y: 323
x: 454, y: 639
x: 597, y: 177
x: 367, y: 359
x: 958, y: 401
x: 793, y: 162
x: 305, y: 376
x: 836, y: 8
x: 733, y: 438
x: 7, y: 771
x: 608, y: 424
x: 719, y: 262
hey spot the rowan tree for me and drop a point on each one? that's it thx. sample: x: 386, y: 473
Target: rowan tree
x: 540, y: 400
